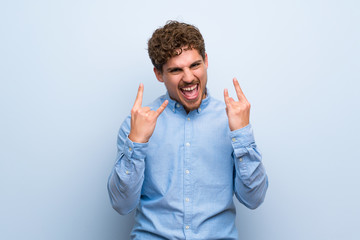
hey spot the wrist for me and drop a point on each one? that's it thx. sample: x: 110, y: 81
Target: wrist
x: 137, y: 139
x: 234, y: 127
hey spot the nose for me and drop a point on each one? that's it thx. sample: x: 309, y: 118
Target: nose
x: 188, y: 76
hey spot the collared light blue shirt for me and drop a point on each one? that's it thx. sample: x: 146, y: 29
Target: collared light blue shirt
x: 183, y: 180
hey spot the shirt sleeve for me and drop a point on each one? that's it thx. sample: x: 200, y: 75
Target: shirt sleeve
x: 250, y: 179
x: 127, y: 176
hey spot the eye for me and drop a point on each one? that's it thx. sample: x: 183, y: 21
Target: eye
x: 175, y: 70
x: 195, y: 65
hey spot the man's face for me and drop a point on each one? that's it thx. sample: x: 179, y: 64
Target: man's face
x: 185, y: 78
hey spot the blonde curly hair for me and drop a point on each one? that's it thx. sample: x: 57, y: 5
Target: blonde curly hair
x: 170, y: 40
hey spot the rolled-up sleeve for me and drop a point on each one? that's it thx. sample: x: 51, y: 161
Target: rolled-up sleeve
x: 250, y: 179
x: 127, y: 176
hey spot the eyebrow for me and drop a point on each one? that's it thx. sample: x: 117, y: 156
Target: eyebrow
x: 177, y: 68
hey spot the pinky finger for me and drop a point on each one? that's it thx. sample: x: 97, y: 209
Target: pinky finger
x: 161, y: 108
x: 226, y: 96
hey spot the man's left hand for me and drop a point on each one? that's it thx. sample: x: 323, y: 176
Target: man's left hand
x: 238, y: 112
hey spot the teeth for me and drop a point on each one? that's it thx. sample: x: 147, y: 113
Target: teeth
x: 189, y: 88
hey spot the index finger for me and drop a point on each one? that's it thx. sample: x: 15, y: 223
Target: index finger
x: 238, y: 90
x: 139, y: 96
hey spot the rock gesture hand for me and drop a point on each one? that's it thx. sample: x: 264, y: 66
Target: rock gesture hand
x: 238, y: 112
x: 143, y: 119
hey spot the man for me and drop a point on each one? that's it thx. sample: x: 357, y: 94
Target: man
x: 181, y: 159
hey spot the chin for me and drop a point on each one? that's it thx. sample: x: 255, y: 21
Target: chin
x: 191, y: 107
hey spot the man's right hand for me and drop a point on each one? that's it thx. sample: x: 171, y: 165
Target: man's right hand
x: 143, y: 119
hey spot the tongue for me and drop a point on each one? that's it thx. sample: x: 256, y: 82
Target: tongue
x: 190, y: 95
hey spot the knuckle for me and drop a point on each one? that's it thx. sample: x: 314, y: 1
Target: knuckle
x: 150, y: 119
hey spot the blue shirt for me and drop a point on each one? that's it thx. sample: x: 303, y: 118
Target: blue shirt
x: 183, y: 180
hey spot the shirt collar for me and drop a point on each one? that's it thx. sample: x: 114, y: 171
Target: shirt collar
x: 175, y: 106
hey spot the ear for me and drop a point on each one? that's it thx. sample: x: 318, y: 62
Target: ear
x: 206, y: 60
x: 158, y: 75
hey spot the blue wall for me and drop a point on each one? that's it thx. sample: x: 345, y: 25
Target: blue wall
x: 69, y: 73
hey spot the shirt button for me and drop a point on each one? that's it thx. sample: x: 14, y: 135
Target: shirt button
x: 233, y: 139
x: 187, y: 171
x: 188, y: 144
x: 177, y: 105
x: 187, y: 199
x: 187, y: 227
x: 127, y: 172
x: 130, y: 148
x: 188, y: 119
x: 199, y: 109
x: 240, y: 159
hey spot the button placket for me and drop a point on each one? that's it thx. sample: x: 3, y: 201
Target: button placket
x: 187, y: 176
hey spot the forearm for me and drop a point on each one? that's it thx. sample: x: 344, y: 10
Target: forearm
x: 251, y: 181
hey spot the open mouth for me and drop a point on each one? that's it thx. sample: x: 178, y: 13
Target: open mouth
x: 190, y: 92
